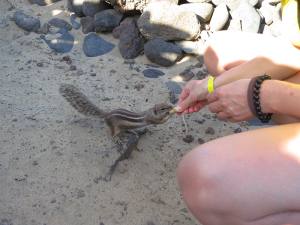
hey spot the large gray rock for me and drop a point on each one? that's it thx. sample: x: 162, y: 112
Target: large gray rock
x: 43, y: 2
x: 203, y: 10
x: 267, y: 11
x: 198, y: 1
x: 131, y: 42
x: 169, y: 22
x: 249, y: 17
x: 26, y: 22
x: 232, y: 4
x: 235, y: 25
x: 133, y: 5
x: 107, y: 20
x: 219, y: 17
x: 162, y: 53
x: 91, y: 7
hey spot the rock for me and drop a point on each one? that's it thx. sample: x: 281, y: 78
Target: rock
x: 162, y: 52
x: 174, y: 87
x: 203, y: 10
x: 198, y: 1
x: 276, y: 28
x: 249, y: 17
x: 44, y: 29
x: 235, y: 25
x: 210, y: 131
x: 188, y: 138
x: 253, y: 2
x: 60, y: 23
x: 205, y: 35
x: 43, y: 2
x: 153, y: 73
x: 200, y: 141
x: 127, y: 22
x: 131, y: 43
x: 219, y: 17
x: 76, y: 7
x: 132, y: 5
x: 93, y: 45
x: 91, y: 7
x: 73, y: 19
x: 107, y: 20
x: 61, y: 44
x: 233, y: 4
x: 186, y: 75
x: 267, y: 12
x: 273, y: 2
x: 87, y: 24
x: 192, y: 47
x: 26, y: 22
x: 167, y: 21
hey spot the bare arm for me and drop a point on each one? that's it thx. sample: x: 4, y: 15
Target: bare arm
x: 280, y: 97
x: 279, y: 67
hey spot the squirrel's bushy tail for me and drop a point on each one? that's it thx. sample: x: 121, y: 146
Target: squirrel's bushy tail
x: 79, y: 101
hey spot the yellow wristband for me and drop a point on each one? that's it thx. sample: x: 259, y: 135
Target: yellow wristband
x: 210, y: 84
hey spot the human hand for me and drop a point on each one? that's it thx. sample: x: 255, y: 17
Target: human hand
x: 230, y: 101
x: 193, y: 96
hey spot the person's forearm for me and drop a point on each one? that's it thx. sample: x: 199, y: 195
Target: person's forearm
x: 280, y: 97
x: 259, y: 66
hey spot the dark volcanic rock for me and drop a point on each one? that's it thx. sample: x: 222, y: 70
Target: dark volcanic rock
x: 76, y: 7
x: 174, y: 87
x: 26, y: 22
x: 188, y: 138
x: 75, y: 24
x: 91, y: 7
x: 87, y: 24
x: 94, y: 45
x: 127, y: 22
x: 43, y: 2
x: 60, y: 23
x: 131, y: 42
x: 107, y: 20
x: 62, y: 44
x: 162, y: 52
x: 153, y: 73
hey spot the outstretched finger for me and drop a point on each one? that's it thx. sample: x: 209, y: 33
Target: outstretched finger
x: 184, y: 94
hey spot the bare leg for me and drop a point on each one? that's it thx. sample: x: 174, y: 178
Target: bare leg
x: 233, y: 52
x: 251, y: 178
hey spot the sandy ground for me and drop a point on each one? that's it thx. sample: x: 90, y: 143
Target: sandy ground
x: 51, y: 157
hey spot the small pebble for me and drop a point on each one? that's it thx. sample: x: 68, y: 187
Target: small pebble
x: 153, y: 73
x: 188, y: 138
x: 73, y: 67
x: 200, y: 141
x: 210, y: 131
x: 237, y: 130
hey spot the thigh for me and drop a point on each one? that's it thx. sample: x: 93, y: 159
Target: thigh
x: 257, y: 172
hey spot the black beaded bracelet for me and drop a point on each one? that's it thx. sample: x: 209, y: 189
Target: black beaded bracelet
x: 254, y: 99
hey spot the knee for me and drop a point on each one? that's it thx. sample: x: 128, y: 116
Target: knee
x: 212, y: 56
x: 197, y: 177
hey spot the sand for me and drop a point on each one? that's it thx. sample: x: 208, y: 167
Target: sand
x: 51, y: 157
